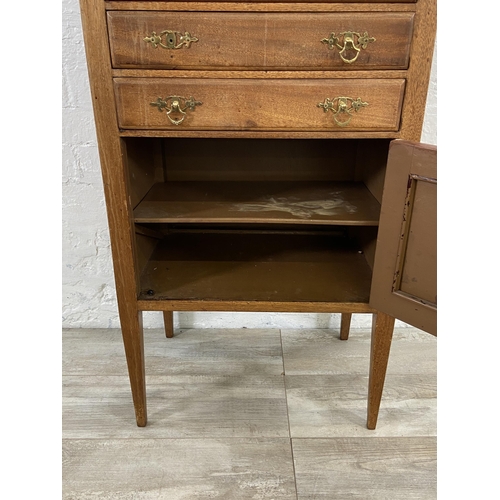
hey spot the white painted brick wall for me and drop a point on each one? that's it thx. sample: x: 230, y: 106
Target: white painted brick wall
x: 89, y: 299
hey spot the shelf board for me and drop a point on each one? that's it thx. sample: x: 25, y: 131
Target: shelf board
x: 330, y: 203
x: 241, y: 266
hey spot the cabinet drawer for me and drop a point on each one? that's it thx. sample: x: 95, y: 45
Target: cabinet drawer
x: 215, y: 40
x: 301, y: 1
x: 257, y: 104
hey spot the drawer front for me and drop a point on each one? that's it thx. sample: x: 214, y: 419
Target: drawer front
x: 255, y: 104
x: 214, y: 40
x: 304, y: 1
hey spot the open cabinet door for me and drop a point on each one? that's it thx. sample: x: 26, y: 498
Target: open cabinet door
x: 404, y: 283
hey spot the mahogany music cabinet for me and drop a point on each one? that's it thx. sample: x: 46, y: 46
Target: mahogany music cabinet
x: 244, y: 149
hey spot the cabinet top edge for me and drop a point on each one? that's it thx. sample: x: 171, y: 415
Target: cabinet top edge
x: 233, y: 5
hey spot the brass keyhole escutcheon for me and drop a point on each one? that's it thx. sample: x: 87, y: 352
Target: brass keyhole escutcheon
x: 349, y: 44
x: 173, y: 39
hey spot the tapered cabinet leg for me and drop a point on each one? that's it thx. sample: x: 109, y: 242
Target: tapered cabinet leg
x: 133, y: 340
x: 168, y: 319
x: 345, y: 325
x: 382, y: 330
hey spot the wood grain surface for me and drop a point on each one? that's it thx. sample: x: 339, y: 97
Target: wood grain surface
x: 236, y: 104
x: 119, y: 210
x: 272, y: 6
x: 258, y: 106
x: 258, y: 40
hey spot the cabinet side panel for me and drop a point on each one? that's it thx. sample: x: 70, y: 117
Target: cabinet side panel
x: 144, y: 166
x: 145, y: 248
x: 112, y: 152
x: 419, y: 70
x: 371, y: 161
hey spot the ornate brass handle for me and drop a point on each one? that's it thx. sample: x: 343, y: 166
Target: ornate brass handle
x: 176, y: 107
x: 353, y: 43
x: 342, y: 107
x: 173, y: 39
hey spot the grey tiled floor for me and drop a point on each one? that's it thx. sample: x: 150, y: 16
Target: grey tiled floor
x: 248, y: 414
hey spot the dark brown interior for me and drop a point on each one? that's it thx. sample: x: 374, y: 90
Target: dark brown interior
x: 256, y: 219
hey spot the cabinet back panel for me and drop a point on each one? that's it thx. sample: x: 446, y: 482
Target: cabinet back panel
x: 251, y: 267
x: 366, y: 239
x: 145, y: 246
x: 259, y: 159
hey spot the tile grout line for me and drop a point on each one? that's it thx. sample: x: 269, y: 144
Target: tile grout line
x: 288, y: 417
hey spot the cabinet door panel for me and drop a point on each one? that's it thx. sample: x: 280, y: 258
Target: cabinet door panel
x: 404, y: 281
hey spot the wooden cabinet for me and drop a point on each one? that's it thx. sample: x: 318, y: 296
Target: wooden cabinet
x: 244, y: 150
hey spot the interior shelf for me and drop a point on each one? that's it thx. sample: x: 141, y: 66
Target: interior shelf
x: 292, y: 202
x: 256, y: 266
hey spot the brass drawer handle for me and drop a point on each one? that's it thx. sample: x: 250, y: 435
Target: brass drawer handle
x: 342, y: 108
x: 173, y: 39
x: 353, y: 43
x: 176, y: 107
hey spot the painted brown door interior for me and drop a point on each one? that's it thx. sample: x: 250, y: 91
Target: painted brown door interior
x: 404, y: 283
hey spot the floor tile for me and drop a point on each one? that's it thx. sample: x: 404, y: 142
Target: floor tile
x: 321, y: 352
x: 220, y: 417
x: 336, y: 405
x: 189, y: 352
x: 365, y: 469
x: 178, y: 469
x: 178, y: 406
x: 201, y: 383
x: 327, y: 384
